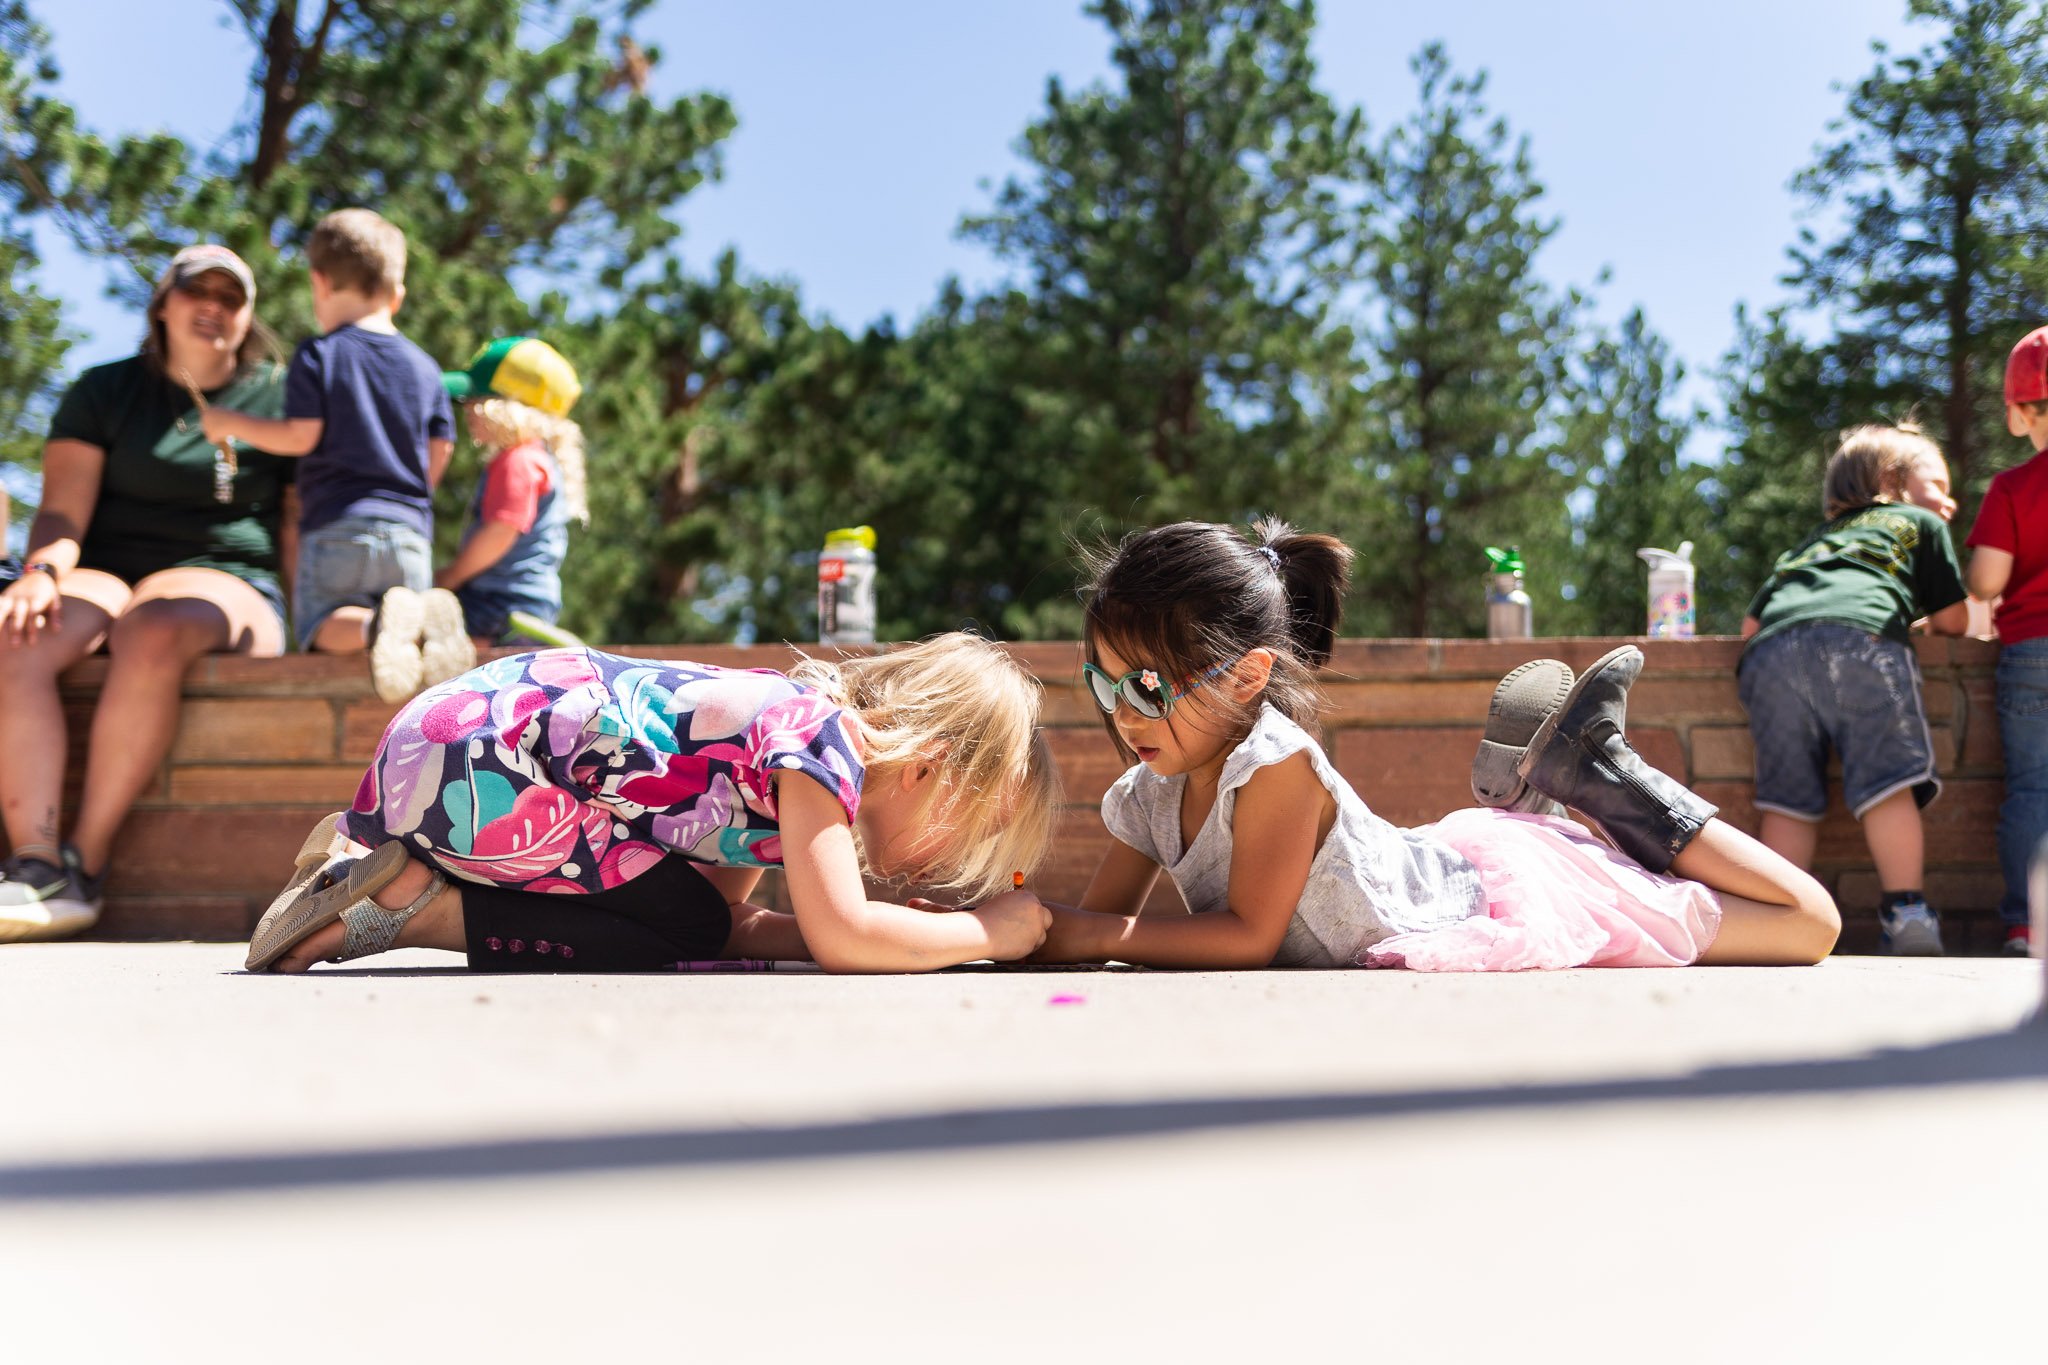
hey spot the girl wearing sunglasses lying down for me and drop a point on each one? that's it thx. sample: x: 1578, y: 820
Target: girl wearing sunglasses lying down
x: 1201, y: 650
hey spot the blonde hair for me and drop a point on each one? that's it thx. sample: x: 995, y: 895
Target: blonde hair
x: 962, y: 704
x: 506, y: 422
x: 1870, y: 465
x: 360, y: 250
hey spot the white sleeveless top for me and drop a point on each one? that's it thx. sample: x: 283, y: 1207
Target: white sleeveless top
x: 1369, y: 880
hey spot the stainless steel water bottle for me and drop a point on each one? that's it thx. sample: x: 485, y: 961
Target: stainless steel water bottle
x: 1509, y: 613
x: 846, y: 587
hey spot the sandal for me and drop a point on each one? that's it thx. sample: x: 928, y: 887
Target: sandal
x: 339, y: 890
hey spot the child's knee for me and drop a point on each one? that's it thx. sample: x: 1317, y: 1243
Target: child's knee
x: 1819, y: 922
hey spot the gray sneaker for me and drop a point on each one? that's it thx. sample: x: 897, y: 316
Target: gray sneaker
x: 1911, y: 929
x: 39, y: 900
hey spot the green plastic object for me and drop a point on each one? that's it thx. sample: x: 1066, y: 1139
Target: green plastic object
x: 533, y: 628
x: 1506, y: 561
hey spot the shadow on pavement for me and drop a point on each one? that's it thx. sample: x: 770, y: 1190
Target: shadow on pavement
x: 2018, y: 1055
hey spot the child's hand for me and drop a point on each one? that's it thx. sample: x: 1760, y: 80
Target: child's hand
x: 218, y: 424
x: 1072, y: 937
x: 1015, y: 921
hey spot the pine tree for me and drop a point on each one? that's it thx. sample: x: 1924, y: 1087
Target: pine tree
x: 1184, y: 242
x: 32, y: 338
x: 1941, y: 176
x: 1643, y: 493
x: 1471, y: 369
x: 506, y: 139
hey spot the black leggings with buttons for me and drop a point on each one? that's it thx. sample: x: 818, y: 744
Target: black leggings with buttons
x: 668, y: 914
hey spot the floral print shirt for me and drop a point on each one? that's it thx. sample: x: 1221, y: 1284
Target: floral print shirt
x: 572, y: 770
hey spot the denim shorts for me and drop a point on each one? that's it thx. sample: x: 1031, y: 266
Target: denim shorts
x: 489, y: 614
x: 352, y: 562
x: 1822, y: 685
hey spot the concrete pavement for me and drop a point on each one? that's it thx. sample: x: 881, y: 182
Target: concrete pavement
x: 1846, y: 1162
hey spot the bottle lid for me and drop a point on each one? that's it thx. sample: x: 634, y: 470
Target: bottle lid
x: 1667, y: 559
x: 1506, y: 561
x: 863, y: 536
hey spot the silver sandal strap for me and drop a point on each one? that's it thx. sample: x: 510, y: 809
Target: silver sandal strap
x: 373, y: 929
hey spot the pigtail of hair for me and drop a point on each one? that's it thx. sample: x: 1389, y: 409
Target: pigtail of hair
x: 1314, y: 570
x: 566, y: 445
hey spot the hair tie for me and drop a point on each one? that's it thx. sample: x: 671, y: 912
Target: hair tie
x: 1272, y: 556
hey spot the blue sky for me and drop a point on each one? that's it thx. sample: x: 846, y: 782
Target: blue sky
x: 1666, y: 134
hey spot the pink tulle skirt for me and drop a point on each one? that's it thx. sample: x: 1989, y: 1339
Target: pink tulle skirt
x: 1556, y: 896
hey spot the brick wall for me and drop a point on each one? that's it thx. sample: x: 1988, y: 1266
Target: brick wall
x: 266, y: 746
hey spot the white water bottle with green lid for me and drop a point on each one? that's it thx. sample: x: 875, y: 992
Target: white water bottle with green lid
x: 1509, y: 613
x: 846, y: 587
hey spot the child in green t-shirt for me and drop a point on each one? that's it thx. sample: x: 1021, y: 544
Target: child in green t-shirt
x: 1829, y: 666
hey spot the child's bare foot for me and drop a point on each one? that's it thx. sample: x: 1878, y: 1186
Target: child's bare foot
x: 438, y: 923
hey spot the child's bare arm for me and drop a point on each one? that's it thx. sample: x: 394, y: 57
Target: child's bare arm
x: 1990, y: 571
x: 1121, y: 883
x: 438, y: 455
x: 276, y: 435
x: 1951, y: 620
x: 1750, y: 626
x: 1278, y: 824
x: 846, y: 932
x: 486, y: 545
x: 763, y: 933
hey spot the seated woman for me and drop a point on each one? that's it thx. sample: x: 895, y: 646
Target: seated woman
x: 150, y: 541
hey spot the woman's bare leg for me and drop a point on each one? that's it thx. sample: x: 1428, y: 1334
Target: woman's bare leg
x: 173, y: 618
x: 1772, y: 914
x: 32, y: 731
x: 437, y: 924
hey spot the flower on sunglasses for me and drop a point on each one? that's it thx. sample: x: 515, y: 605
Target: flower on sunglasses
x: 1150, y: 680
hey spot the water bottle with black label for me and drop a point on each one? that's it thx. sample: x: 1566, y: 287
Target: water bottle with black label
x: 846, y: 587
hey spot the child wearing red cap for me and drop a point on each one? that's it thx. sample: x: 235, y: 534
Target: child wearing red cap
x: 2009, y: 561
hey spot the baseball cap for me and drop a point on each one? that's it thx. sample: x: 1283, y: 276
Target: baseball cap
x: 524, y: 369
x: 2026, y: 369
x: 195, y: 261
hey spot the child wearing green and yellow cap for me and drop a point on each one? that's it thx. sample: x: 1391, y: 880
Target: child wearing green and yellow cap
x: 515, y: 396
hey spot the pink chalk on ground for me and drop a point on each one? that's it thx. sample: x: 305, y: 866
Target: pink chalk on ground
x: 1068, y: 1000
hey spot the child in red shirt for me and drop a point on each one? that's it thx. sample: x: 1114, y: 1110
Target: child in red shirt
x: 2009, y: 561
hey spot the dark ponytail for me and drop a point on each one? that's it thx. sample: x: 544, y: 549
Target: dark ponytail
x: 1315, y: 570
x: 1187, y: 597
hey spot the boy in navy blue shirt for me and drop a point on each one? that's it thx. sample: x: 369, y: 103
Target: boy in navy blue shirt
x: 366, y: 409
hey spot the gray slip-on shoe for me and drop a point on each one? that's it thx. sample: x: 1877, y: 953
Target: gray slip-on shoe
x: 1525, y: 699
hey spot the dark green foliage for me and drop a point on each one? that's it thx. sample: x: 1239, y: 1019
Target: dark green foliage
x: 32, y: 338
x: 1470, y: 379
x: 1184, y: 240
x: 1643, y: 494
x: 1940, y: 174
x: 1224, y: 302
x: 497, y: 149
